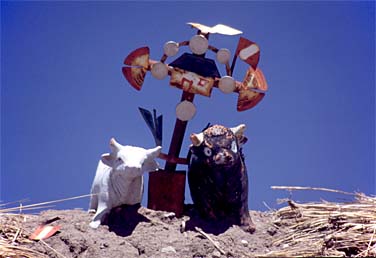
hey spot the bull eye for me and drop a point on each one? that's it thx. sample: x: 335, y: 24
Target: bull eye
x: 234, y: 148
x: 207, y: 151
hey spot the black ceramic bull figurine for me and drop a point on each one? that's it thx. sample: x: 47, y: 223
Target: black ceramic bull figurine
x: 217, y: 175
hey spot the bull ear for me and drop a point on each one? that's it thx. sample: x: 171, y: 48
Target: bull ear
x: 154, y: 152
x: 107, y: 159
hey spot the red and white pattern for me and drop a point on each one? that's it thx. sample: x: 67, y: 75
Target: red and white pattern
x: 44, y: 231
x: 248, y: 51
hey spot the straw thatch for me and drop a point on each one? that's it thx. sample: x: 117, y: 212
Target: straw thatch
x: 13, y: 237
x: 309, y: 229
x: 326, y: 228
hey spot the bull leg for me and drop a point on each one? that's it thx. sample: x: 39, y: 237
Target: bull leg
x: 99, y: 216
x: 93, y: 203
x: 102, y: 209
x: 246, y: 223
x: 245, y: 218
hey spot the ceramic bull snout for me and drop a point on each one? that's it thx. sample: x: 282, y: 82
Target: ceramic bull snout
x: 119, y: 178
x: 217, y: 175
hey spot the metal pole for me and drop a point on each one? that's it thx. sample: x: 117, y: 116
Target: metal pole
x: 180, y: 127
x: 178, y: 135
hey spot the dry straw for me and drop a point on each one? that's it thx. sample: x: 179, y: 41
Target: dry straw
x: 14, y: 237
x: 326, y: 228
x: 309, y: 229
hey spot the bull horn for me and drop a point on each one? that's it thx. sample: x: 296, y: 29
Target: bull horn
x: 114, y: 145
x: 197, y: 139
x: 238, y: 130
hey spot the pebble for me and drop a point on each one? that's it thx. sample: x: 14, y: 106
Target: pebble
x: 81, y: 227
x: 271, y: 231
x: 182, y: 227
x: 244, y: 242
x: 216, y: 254
x: 168, y: 249
x: 169, y: 215
x: 103, y: 246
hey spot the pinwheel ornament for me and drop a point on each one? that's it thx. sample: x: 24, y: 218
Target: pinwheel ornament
x: 193, y: 73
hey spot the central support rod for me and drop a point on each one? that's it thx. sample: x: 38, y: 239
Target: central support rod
x: 178, y: 135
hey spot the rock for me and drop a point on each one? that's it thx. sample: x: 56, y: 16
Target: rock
x: 182, y: 226
x: 168, y: 249
x: 271, y: 231
x: 104, y: 246
x: 169, y: 215
x: 216, y: 254
x: 81, y: 227
x: 244, y: 242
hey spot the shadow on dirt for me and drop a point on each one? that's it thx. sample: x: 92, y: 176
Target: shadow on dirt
x: 123, y: 220
x: 208, y: 226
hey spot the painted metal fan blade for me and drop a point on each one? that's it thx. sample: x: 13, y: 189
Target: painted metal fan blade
x: 226, y: 30
x: 154, y: 123
x: 255, y: 79
x: 248, y: 51
x: 135, y: 76
x: 148, y: 117
x: 137, y: 64
x: 219, y: 28
x: 159, y: 130
x: 138, y: 57
x: 248, y: 99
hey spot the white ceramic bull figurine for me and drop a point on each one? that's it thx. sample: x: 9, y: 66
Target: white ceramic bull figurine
x: 119, y: 178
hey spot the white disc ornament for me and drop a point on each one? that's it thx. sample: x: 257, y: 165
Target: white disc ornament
x: 223, y: 55
x: 227, y: 84
x: 185, y: 110
x: 159, y: 70
x: 198, y: 44
x: 171, y: 48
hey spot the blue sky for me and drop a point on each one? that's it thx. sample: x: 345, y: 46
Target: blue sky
x: 63, y: 95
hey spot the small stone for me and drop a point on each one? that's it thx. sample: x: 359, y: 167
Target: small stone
x: 104, y: 246
x: 182, y: 227
x: 81, y: 227
x: 169, y: 215
x: 216, y: 254
x: 141, y: 250
x: 285, y: 246
x: 271, y: 231
x: 168, y: 249
x: 244, y: 242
